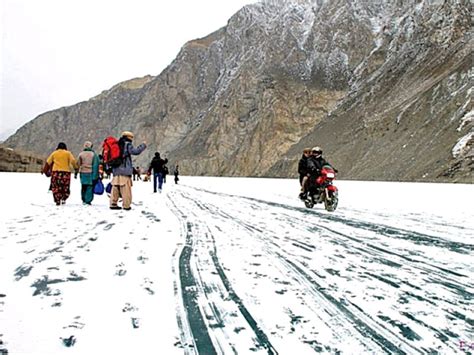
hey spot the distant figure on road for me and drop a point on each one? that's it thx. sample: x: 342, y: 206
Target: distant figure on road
x: 88, y: 163
x: 165, y: 172
x: 136, y: 173
x: 157, y: 165
x: 176, y: 174
x: 122, y: 180
x: 63, y: 162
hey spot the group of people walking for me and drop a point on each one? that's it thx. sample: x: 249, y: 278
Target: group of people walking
x: 61, y: 164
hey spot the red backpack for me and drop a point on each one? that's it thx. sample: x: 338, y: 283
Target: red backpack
x: 111, y: 152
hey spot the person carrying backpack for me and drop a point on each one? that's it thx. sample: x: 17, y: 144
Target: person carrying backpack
x: 122, y: 174
x: 157, y: 165
x: 89, y: 172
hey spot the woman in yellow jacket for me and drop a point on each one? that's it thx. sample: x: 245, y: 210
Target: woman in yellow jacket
x: 62, y: 161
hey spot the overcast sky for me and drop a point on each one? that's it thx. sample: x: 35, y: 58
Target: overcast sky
x: 59, y: 52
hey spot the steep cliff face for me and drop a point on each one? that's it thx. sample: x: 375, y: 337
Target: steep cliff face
x: 383, y: 86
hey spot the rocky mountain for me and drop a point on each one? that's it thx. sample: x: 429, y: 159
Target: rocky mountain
x: 383, y: 86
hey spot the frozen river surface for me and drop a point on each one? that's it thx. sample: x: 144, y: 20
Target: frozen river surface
x: 237, y: 266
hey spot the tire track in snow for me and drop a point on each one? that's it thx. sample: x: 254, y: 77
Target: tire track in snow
x: 363, y: 324
x: 192, y: 284
x: 354, y: 242
x: 342, y: 318
x: 190, y: 299
x: 438, y: 275
x: 417, y: 237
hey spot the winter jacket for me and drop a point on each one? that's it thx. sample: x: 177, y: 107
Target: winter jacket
x: 126, y: 168
x: 62, y: 160
x: 303, y: 165
x: 157, y: 164
x: 316, y: 164
x: 88, y: 162
x: 88, y: 166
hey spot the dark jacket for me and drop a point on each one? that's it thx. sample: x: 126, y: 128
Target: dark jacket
x: 126, y: 168
x: 303, y: 165
x: 157, y: 164
x: 316, y: 164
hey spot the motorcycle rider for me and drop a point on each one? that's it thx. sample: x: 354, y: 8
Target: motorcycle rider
x: 316, y: 161
x: 314, y: 164
x: 303, y: 170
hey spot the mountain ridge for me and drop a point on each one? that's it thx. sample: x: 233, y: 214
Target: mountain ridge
x: 356, y: 77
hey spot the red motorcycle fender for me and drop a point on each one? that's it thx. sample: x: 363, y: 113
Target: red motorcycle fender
x: 332, y: 188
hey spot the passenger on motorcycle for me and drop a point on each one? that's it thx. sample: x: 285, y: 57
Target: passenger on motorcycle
x: 303, y: 170
x: 314, y: 165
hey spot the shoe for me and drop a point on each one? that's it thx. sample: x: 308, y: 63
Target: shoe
x: 127, y: 208
x: 63, y: 202
x: 115, y: 207
x: 302, y: 196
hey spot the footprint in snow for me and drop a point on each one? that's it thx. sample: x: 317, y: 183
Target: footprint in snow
x: 130, y: 308
x: 109, y: 226
x: 121, y: 269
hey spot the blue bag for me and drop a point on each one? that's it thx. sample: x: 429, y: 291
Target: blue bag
x: 108, y: 188
x: 99, y: 187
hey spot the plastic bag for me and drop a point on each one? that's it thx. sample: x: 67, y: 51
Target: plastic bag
x: 99, y: 187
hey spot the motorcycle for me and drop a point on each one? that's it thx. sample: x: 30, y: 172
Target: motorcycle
x: 322, y: 190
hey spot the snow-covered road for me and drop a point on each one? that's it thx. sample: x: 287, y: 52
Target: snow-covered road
x: 225, y: 266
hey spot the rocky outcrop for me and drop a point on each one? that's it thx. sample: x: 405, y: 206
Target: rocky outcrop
x: 18, y: 161
x: 383, y: 86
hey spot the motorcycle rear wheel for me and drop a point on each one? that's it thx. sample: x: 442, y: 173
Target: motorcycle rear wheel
x: 309, y: 203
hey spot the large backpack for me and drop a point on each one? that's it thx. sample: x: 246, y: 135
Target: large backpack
x: 112, y: 152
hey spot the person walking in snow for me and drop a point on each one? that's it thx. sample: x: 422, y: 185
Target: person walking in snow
x: 88, y: 162
x: 165, y: 172
x: 176, y: 174
x: 138, y: 173
x: 157, y: 165
x: 63, y: 163
x: 122, y: 175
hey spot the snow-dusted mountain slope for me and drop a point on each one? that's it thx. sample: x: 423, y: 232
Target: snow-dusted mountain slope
x: 383, y: 86
x: 235, y: 265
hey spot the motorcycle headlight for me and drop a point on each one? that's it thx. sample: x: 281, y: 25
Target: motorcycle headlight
x: 330, y: 175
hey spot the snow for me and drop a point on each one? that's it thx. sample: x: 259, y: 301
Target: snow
x: 466, y: 119
x: 462, y: 144
x: 236, y: 265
